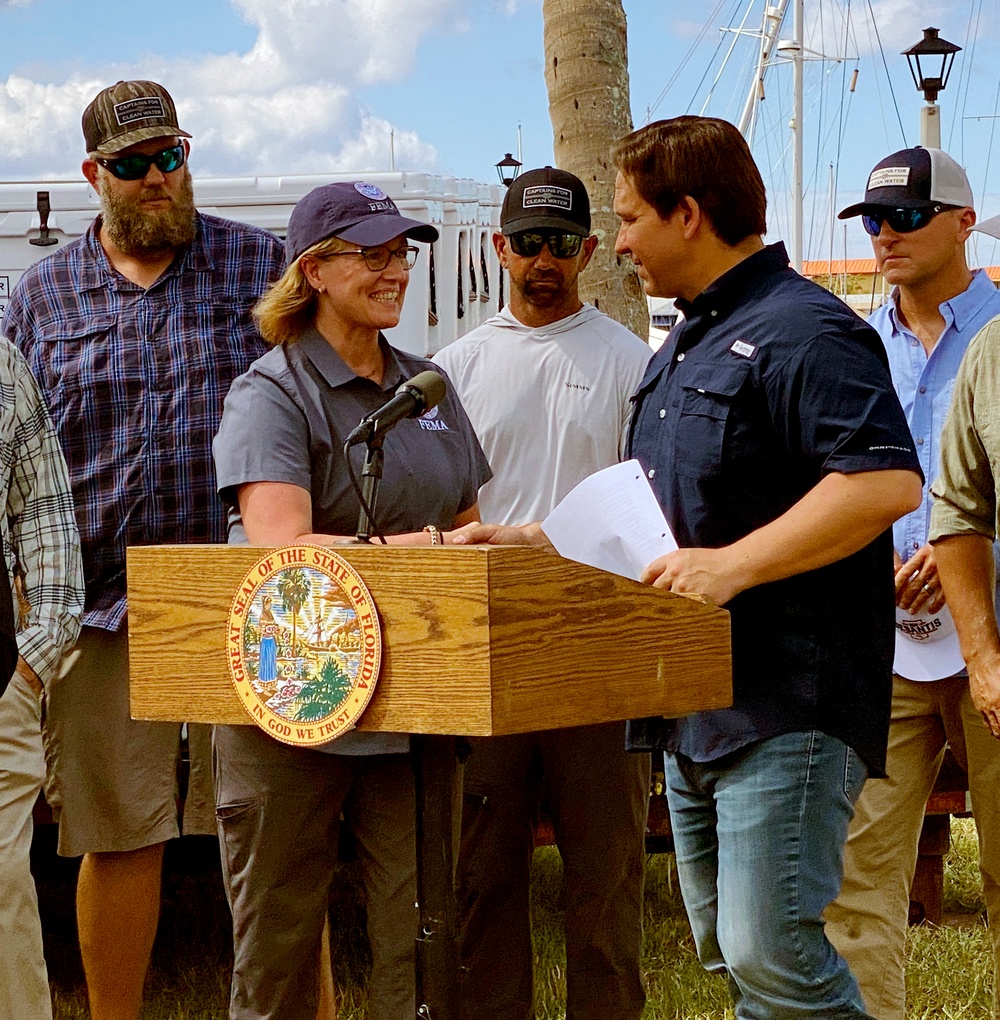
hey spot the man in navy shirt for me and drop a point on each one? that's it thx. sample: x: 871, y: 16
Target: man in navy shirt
x: 771, y: 435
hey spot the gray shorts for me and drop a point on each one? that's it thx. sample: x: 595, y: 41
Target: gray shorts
x: 112, y: 781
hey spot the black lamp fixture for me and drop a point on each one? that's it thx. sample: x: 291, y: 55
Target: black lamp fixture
x: 508, y: 168
x: 930, y: 63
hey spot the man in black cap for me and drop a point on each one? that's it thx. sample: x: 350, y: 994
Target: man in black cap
x: 918, y: 212
x: 547, y: 383
x: 135, y: 332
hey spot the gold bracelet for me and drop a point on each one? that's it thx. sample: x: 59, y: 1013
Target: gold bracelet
x: 435, y: 534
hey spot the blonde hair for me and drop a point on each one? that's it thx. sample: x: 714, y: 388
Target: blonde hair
x: 288, y: 308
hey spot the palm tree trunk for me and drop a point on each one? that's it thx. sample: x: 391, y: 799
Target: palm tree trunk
x: 586, y: 74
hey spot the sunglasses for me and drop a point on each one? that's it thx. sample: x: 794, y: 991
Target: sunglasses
x: 528, y: 243
x: 902, y: 221
x: 378, y: 258
x: 135, y: 167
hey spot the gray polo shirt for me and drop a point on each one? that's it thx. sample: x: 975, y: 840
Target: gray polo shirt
x: 286, y: 419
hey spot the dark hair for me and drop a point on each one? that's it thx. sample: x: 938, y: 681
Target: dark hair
x: 704, y: 158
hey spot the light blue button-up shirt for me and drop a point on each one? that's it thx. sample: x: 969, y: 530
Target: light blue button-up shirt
x: 924, y: 383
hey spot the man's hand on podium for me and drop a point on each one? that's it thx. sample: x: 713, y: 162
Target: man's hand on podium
x: 499, y: 534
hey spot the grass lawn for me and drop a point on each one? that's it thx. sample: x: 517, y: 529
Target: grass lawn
x: 949, y: 974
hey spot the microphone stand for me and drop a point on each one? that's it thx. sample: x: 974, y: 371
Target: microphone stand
x: 371, y: 475
x: 435, y: 764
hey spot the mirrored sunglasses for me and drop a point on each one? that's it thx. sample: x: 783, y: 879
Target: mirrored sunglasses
x: 378, y: 258
x: 902, y: 221
x: 135, y: 167
x: 528, y: 243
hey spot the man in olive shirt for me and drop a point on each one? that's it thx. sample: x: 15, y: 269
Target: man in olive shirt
x: 964, y: 518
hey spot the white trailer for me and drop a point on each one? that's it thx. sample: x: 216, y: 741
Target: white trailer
x: 454, y: 287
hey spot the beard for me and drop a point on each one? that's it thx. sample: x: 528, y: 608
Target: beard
x: 543, y: 291
x: 136, y: 232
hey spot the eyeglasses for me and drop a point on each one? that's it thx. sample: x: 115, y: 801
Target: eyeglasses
x: 378, y: 258
x: 902, y: 221
x: 528, y: 243
x: 135, y: 167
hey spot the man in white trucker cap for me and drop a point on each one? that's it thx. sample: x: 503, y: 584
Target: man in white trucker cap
x: 918, y: 212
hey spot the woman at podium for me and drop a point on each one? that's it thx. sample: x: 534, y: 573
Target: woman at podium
x: 281, y: 470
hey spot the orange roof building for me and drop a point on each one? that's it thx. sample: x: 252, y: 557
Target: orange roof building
x: 860, y: 267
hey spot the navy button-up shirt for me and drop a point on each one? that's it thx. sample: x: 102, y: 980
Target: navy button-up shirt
x: 769, y: 384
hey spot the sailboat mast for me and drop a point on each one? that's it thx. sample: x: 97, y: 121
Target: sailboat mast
x: 797, y: 148
x: 774, y: 15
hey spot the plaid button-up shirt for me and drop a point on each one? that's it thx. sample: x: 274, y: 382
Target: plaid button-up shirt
x: 36, y: 513
x: 135, y: 380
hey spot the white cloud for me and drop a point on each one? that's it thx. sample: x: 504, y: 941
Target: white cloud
x: 40, y: 121
x: 367, y: 41
x: 899, y: 24
x: 287, y: 105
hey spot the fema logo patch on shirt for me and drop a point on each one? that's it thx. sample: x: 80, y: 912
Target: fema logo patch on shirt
x: 547, y: 194
x: 369, y: 190
x: 430, y: 421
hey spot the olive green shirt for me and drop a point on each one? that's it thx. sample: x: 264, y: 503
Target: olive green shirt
x: 965, y: 501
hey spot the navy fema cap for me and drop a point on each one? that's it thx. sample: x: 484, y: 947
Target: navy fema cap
x: 354, y: 211
x: 916, y: 178
x: 546, y: 199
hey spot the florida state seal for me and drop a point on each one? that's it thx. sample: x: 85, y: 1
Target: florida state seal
x: 304, y: 645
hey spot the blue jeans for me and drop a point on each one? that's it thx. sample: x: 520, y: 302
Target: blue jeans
x: 760, y: 837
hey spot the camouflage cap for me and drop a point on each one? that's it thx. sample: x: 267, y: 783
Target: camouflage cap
x: 129, y: 112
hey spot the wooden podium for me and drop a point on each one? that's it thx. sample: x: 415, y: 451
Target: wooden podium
x: 477, y: 641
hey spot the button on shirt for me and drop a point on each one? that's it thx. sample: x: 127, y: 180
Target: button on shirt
x: 924, y: 384
x: 135, y: 379
x: 769, y: 384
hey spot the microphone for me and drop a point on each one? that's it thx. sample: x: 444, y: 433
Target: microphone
x: 417, y: 395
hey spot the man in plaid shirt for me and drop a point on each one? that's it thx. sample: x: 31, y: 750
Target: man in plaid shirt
x: 134, y: 333
x: 40, y: 547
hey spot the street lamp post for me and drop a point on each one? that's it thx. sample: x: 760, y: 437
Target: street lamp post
x: 930, y: 62
x: 507, y: 169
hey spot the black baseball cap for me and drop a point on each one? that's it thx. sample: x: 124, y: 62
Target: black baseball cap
x: 353, y: 211
x: 915, y: 178
x: 546, y: 199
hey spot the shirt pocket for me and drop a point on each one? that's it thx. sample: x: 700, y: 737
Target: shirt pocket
x: 70, y: 359
x: 707, y: 398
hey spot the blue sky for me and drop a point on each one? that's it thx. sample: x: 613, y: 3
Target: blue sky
x: 285, y: 86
